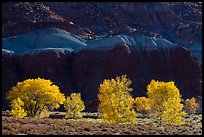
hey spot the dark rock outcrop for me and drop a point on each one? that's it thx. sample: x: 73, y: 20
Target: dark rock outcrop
x: 82, y: 71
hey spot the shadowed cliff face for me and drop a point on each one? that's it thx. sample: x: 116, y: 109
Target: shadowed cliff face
x: 140, y: 64
x: 82, y: 71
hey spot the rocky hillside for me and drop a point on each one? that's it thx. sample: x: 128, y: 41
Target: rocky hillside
x: 21, y: 17
x: 178, y: 22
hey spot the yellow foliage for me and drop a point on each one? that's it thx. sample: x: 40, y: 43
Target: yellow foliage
x: 74, y: 105
x: 37, y: 95
x: 17, y: 108
x: 191, y: 106
x: 172, y: 112
x: 116, y: 103
x: 165, y: 102
x: 44, y: 113
x: 143, y: 105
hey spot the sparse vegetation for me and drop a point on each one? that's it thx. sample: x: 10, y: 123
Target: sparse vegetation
x: 143, y: 105
x: 96, y: 126
x: 191, y: 106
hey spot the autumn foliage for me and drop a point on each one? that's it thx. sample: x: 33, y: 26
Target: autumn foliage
x: 18, y: 108
x: 74, y: 105
x: 143, y: 105
x: 33, y: 97
x: 116, y: 103
x: 191, y: 106
x: 165, y: 102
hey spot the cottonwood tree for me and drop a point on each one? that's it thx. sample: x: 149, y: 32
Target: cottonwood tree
x: 116, y: 103
x: 165, y: 102
x: 33, y: 97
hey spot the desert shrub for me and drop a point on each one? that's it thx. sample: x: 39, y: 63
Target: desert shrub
x: 115, y: 101
x: 34, y: 96
x: 17, y: 108
x: 74, y: 105
x: 143, y: 105
x: 191, y: 106
x: 165, y: 102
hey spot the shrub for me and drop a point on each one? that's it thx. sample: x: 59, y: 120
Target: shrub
x: 74, y: 105
x: 116, y: 103
x: 143, y: 105
x: 191, y: 106
x: 34, y: 96
x: 165, y: 102
x: 17, y: 108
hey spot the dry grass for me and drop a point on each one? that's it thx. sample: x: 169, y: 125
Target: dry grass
x: 90, y: 124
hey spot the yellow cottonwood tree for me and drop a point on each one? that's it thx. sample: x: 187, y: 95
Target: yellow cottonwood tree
x: 143, y: 105
x: 37, y: 95
x: 74, y: 105
x: 191, y: 106
x: 165, y: 102
x: 116, y: 103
